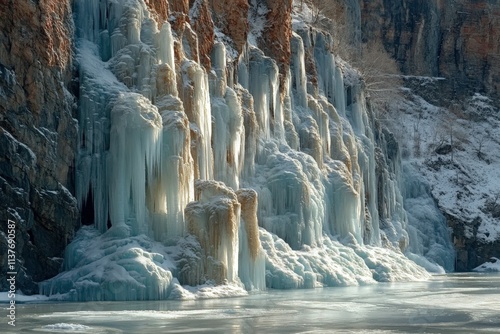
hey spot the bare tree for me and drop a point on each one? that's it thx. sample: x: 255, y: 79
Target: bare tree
x: 451, y: 129
x: 321, y: 8
x: 481, y: 137
x: 417, y: 152
x: 380, y: 72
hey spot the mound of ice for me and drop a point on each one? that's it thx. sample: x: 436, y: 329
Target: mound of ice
x: 492, y: 266
x: 333, y: 264
x: 112, y: 266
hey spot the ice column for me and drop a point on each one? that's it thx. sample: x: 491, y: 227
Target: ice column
x: 264, y: 87
x: 325, y: 62
x: 134, y: 154
x: 359, y: 118
x: 339, y: 92
x: 428, y: 233
x: 94, y: 127
x: 291, y: 202
x: 228, y: 132
x: 195, y: 95
x: 174, y: 188
x: 299, y: 81
x: 251, y: 262
x: 215, y: 219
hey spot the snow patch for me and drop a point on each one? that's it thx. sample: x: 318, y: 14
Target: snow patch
x: 492, y: 266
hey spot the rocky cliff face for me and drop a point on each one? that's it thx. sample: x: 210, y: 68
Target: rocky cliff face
x: 37, y: 136
x: 457, y: 40
x: 275, y: 41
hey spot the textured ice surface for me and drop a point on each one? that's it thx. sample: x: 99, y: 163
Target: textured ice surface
x: 492, y: 265
x: 67, y: 327
x: 230, y: 182
x: 334, y: 264
x: 112, y: 266
x: 430, y: 242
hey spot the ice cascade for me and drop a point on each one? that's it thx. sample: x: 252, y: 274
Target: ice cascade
x: 240, y: 175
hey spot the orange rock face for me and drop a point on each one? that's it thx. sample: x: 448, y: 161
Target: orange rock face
x: 204, y: 28
x: 275, y: 41
x: 231, y: 16
x: 179, y: 10
x: 159, y: 8
x: 35, y: 38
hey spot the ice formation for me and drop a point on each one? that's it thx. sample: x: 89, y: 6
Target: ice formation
x: 195, y: 178
x: 492, y: 266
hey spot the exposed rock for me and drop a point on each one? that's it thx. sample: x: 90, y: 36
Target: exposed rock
x: 180, y: 6
x: 159, y: 9
x: 204, y: 28
x: 471, y: 252
x: 38, y: 136
x: 443, y: 149
x: 458, y: 40
x: 178, y: 10
x: 231, y: 17
x: 275, y: 39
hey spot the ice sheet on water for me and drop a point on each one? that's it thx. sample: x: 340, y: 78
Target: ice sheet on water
x: 67, y: 327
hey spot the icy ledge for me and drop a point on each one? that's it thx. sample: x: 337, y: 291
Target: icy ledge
x: 117, y: 266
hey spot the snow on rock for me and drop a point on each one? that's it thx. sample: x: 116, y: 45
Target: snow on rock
x: 492, y: 266
x: 456, y: 150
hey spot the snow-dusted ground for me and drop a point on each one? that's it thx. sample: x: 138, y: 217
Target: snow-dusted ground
x: 492, y: 265
x: 465, y: 181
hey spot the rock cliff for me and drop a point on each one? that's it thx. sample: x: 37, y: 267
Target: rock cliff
x: 37, y: 136
x: 457, y: 40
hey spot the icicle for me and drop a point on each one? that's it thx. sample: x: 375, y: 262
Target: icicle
x: 251, y: 262
x: 339, y: 101
x: 325, y: 63
x: 264, y: 87
x: 134, y: 154
x: 299, y: 82
x: 195, y: 96
x: 165, y: 46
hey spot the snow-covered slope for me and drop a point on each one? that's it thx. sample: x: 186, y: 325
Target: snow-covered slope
x: 457, y: 151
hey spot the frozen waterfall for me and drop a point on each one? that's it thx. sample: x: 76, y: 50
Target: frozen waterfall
x: 197, y: 179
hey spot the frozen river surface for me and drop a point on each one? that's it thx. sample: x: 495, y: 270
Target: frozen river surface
x: 456, y: 303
